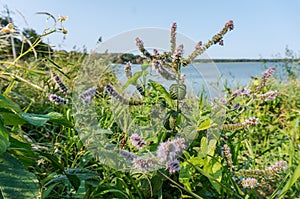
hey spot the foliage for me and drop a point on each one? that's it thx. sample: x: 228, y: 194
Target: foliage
x: 42, y: 155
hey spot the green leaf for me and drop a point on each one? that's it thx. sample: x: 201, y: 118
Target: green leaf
x: 82, y: 173
x: 35, y: 119
x: 74, y: 180
x: 11, y: 118
x: 4, y: 137
x: 15, y: 181
x: 54, y: 160
x: 8, y: 104
x: 22, y: 150
x: 204, y: 125
x: 214, y: 168
x: 211, y: 147
x: 291, y: 182
x: 203, y: 147
x: 59, y: 118
x: 158, y: 87
x: 185, y: 176
x: 134, y: 78
x: 145, y: 65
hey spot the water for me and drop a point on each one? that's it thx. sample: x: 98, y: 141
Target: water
x: 213, y: 76
x: 232, y: 74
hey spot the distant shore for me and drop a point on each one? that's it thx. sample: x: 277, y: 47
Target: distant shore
x: 121, y: 58
x: 246, y: 60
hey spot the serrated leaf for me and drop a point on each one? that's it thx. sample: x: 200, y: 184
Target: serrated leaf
x: 8, y: 104
x: 204, y: 125
x: 145, y: 65
x: 203, y: 147
x: 134, y: 78
x: 11, y: 118
x: 211, y: 147
x: 158, y: 87
x: 15, y: 181
x: 35, y: 119
x: 214, y: 170
x: 59, y: 118
x: 185, y: 176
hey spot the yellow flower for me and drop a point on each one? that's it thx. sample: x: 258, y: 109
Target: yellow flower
x: 64, y: 31
x: 62, y: 18
x: 9, y: 28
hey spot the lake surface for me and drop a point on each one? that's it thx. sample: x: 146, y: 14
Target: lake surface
x: 213, y: 76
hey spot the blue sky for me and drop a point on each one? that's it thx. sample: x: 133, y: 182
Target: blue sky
x: 263, y: 28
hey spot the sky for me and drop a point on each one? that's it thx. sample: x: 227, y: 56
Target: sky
x: 263, y: 28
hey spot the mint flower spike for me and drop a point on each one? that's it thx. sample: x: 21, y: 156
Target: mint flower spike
x: 58, y: 100
x: 173, y: 37
x: 173, y: 166
x: 140, y: 45
x: 137, y: 141
x: 112, y: 92
x: 199, y: 49
x: 251, y: 121
x: 157, y: 65
x: 249, y: 183
x: 127, y: 155
x: 127, y: 69
x: 248, y: 122
x: 62, y: 87
x: 228, y: 156
x: 277, y: 167
x: 268, y: 96
x: 88, y: 94
x: 144, y: 164
x: 266, y: 75
x: 167, y: 151
x: 178, y: 53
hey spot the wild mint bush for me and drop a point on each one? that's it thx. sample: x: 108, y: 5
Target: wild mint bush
x: 256, y: 156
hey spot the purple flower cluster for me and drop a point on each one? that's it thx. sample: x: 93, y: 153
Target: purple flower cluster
x: 167, y: 151
x: 112, y: 91
x: 250, y: 121
x: 271, y: 95
x: 173, y: 37
x: 140, y: 45
x: 249, y: 183
x: 244, y: 92
x: 227, y: 154
x: 230, y: 25
x: 173, y: 27
x: 127, y: 155
x: 137, y: 141
x: 173, y: 166
x: 58, y: 100
x: 62, y: 87
x: 277, y: 167
x: 157, y: 65
x: 268, y: 73
x: 178, y: 53
x: 143, y: 164
x: 198, y: 46
x: 88, y: 94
